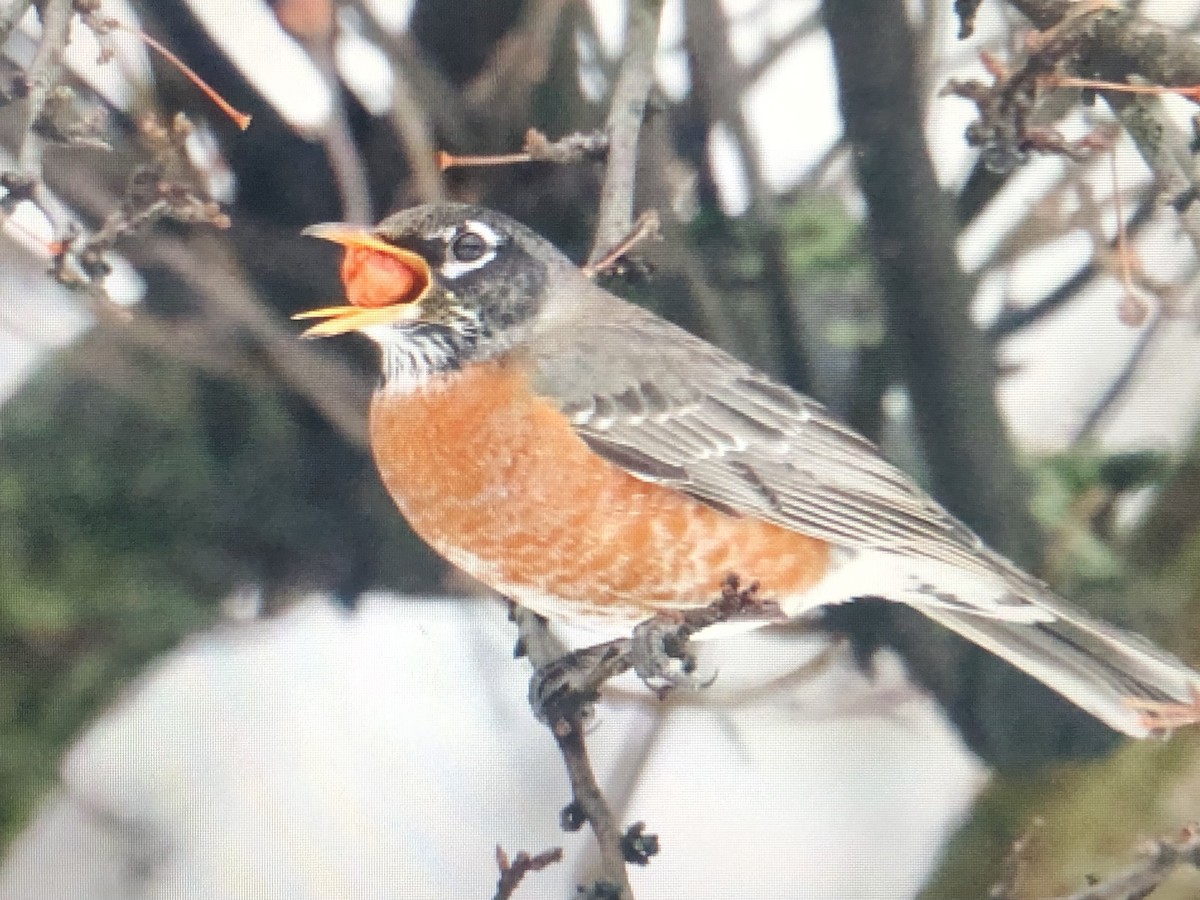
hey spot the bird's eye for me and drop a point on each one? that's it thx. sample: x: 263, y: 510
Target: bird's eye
x: 468, y: 247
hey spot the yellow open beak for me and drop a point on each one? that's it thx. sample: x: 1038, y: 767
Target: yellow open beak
x: 344, y: 319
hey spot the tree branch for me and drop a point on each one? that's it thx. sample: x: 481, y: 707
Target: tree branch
x: 40, y: 78
x: 777, y: 48
x: 1011, y: 321
x: 538, y: 643
x: 1113, y: 43
x: 720, y: 84
x: 913, y: 230
x: 630, y: 96
x: 1113, y: 393
x: 1140, y: 880
x: 513, y: 872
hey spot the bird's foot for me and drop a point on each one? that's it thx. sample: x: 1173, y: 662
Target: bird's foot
x: 662, y: 655
x: 661, y: 651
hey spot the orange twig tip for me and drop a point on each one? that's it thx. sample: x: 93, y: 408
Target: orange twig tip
x: 450, y: 161
x: 241, y: 119
x: 1190, y: 92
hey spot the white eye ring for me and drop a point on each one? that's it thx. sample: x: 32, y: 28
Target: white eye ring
x: 456, y: 268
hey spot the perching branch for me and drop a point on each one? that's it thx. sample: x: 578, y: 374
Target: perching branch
x: 564, y: 686
x: 588, y: 805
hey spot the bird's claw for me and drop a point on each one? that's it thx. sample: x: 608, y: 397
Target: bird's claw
x: 663, y: 658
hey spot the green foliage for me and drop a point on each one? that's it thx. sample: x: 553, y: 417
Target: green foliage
x: 819, y: 249
x: 129, y: 506
x: 1073, y: 498
x: 87, y: 592
x: 822, y: 241
x: 1093, y: 817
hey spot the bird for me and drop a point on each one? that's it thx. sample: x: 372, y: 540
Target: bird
x: 597, y: 464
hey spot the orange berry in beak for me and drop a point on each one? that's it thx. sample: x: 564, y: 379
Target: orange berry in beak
x: 375, y: 279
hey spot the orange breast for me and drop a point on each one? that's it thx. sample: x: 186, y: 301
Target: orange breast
x: 495, y: 479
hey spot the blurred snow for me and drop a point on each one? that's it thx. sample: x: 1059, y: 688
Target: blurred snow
x: 270, y: 59
x: 387, y: 752
x: 364, y: 66
x: 37, y: 316
x: 393, y: 15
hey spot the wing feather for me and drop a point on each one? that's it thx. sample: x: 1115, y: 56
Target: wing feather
x: 670, y: 408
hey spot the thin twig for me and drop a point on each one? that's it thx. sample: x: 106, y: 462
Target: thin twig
x: 1011, y: 321
x: 577, y: 147
x: 513, y: 872
x: 1140, y: 880
x: 1120, y: 384
x: 40, y: 78
x: 645, y: 228
x: 630, y: 96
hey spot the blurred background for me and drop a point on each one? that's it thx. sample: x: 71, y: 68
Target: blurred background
x: 228, y: 669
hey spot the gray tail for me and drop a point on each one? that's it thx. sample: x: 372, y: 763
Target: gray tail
x: 1119, y: 677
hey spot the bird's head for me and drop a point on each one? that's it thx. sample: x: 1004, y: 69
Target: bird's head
x: 438, y: 285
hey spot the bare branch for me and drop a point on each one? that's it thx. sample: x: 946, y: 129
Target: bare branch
x: 1116, y: 390
x: 443, y: 102
x: 718, y: 77
x: 411, y: 122
x: 1168, y: 152
x: 408, y: 115
x: 1138, y: 881
x: 341, y: 150
x: 645, y: 228
x: 513, y: 872
x: 41, y: 76
x: 1011, y: 321
x: 1124, y: 52
x: 588, y: 804
x: 503, y: 90
x: 574, y: 148
x: 777, y: 47
x: 564, y: 686
x: 630, y: 97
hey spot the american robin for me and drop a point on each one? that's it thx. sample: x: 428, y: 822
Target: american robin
x: 591, y: 460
